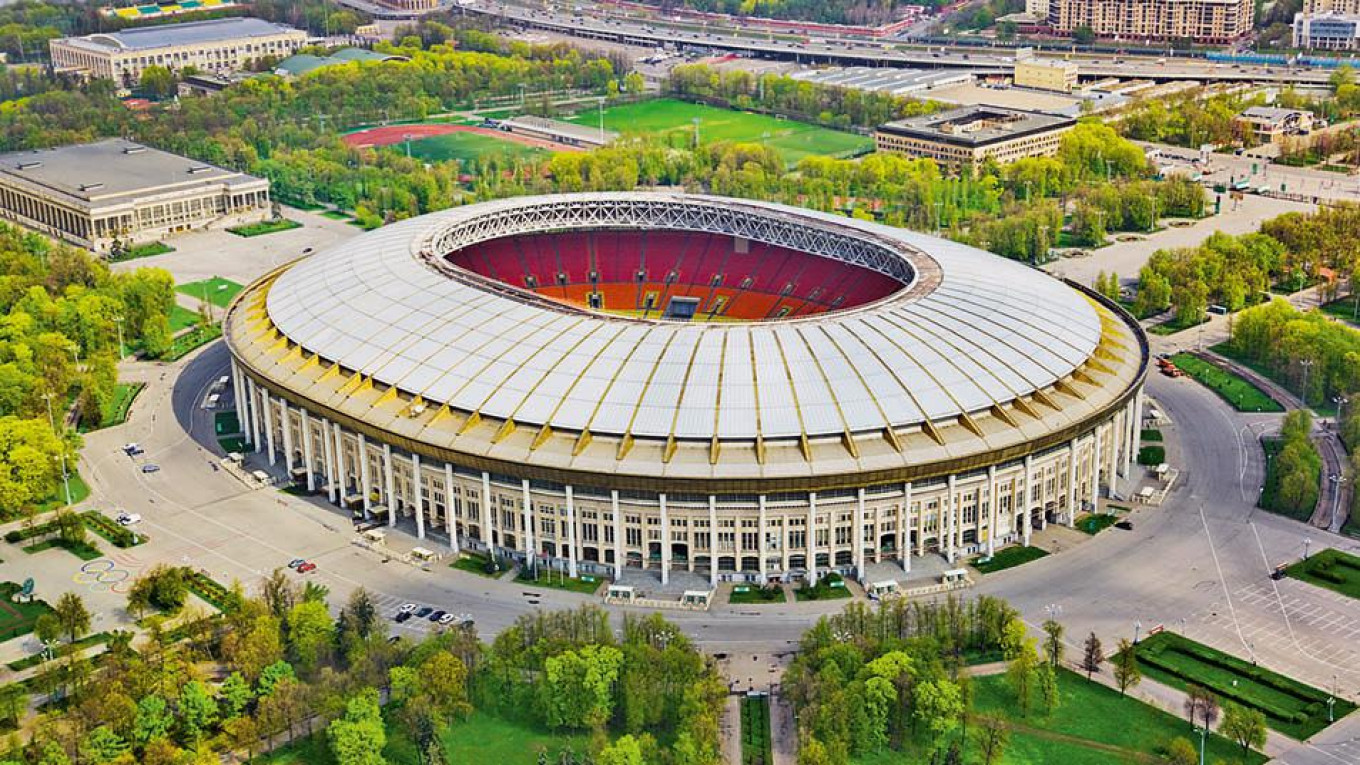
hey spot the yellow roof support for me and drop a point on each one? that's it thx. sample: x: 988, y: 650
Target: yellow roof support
x: 1046, y: 400
x: 506, y: 429
x: 669, y: 451
x: 968, y: 422
x: 544, y: 433
x: 932, y: 431
x: 388, y: 395
x: 625, y: 446
x: 760, y: 449
x: 805, y: 446
x: 470, y: 423
x: 1025, y: 407
x: 1000, y: 413
x: 848, y: 441
x: 1069, y: 389
x: 582, y: 441
x: 890, y: 436
x: 714, y: 450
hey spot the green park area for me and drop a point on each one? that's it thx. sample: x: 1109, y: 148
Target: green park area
x: 744, y: 594
x: 1007, y: 557
x: 216, y: 290
x: 674, y: 119
x: 482, y: 737
x: 828, y: 587
x: 116, y: 408
x: 1344, y: 309
x: 465, y: 147
x: 1094, y: 523
x: 265, y: 227
x: 756, y: 747
x: 18, y: 618
x: 1333, y: 569
x: 1238, y: 392
x: 1290, y: 707
x: 182, y: 318
x: 557, y: 580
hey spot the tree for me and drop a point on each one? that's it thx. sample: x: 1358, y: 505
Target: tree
x: 1245, y: 726
x: 233, y: 695
x: 1020, y: 674
x: 197, y: 712
x: 358, y: 737
x: 939, y: 704
x: 1181, y: 752
x: 1053, y: 641
x: 1083, y: 35
x: 992, y: 736
x: 1201, y: 706
x: 1048, y: 687
x: 1126, y: 672
x: 625, y: 751
x: 153, y: 719
x: 1092, y: 655
x: 72, y: 615
x: 310, y: 631
x: 158, y: 82
x: 578, y: 692
x: 47, y: 628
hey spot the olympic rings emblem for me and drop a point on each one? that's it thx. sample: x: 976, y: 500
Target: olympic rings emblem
x: 102, y: 575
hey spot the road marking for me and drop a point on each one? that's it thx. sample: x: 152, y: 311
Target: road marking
x: 1224, y: 582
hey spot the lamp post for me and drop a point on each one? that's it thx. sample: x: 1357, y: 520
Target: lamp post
x: 1137, y: 628
x: 1203, y: 740
x: 600, y: 108
x: 1306, y: 543
x: 65, y: 477
x: 696, y: 121
x: 1340, y: 402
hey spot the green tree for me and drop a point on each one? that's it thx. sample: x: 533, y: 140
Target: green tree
x: 103, y: 745
x: 1021, y: 675
x: 197, y: 712
x: 624, y: 751
x: 233, y: 695
x: 154, y: 719
x: 310, y: 631
x: 1053, y: 641
x: 358, y: 737
x: 1047, y: 680
x: 1126, y: 672
x: 72, y: 615
x: 578, y: 692
x: 1181, y: 752
x: 992, y: 736
x: 939, y: 705
x: 1244, y: 725
x: 1083, y: 35
x: 158, y: 82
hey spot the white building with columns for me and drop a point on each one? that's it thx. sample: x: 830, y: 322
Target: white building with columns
x: 445, y: 373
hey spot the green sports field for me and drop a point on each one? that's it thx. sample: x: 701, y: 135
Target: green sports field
x: 465, y: 147
x: 675, y: 119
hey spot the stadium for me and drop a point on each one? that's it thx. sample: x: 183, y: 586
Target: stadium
x: 617, y: 382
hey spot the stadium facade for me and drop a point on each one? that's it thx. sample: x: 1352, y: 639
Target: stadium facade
x: 672, y: 381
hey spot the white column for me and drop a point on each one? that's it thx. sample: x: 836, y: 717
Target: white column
x: 486, y: 512
x: 1072, y: 479
x: 571, y: 533
x: 760, y: 536
x: 242, y: 397
x: 1116, y: 438
x: 450, y: 523
x: 991, y: 511
x: 857, y: 536
x: 365, y: 478
x: 1095, y: 468
x: 308, y: 453
x: 904, y: 525
x: 784, y: 543
x: 268, y: 424
x: 418, y: 491
x: 527, y: 518
x: 1136, y: 430
x: 811, y: 545
x: 254, y: 408
x: 712, y: 541
x: 1026, y: 522
x: 286, y: 425
x: 328, y: 454
x: 389, y: 486
x: 665, y: 542
x: 337, y: 436
x: 950, y: 505
x: 618, y: 534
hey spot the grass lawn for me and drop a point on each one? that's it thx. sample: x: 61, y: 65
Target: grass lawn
x: 674, y: 119
x: 216, y: 290
x: 182, y: 318
x: 226, y: 424
x: 1152, y: 435
x: 1343, y: 309
x: 1238, y: 392
x: 1171, y: 327
x: 233, y: 444
x: 556, y: 580
x: 1007, y: 557
x: 1324, y: 408
x: 474, y: 564
x: 183, y: 344
x: 18, y: 618
x: 79, y: 491
x: 466, y: 147
x: 482, y: 738
x: 1270, y: 491
x: 828, y: 587
x: 1094, y: 523
x: 82, y: 550
x: 144, y: 251
x: 756, y: 748
x: 1333, y: 569
x: 1088, y: 711
x: 754, y: 593
x: 337, y: 215
x: 1151, y: 455
x: 1292, y: 708
x: 117, y: 410
x: 267, y: 227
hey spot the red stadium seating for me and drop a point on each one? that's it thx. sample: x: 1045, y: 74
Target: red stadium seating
x: 753, y: 284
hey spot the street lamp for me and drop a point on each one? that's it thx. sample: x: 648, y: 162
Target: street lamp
x: 1203, y: 732
x: 1137, y: 627
x: 1340, y: 402
x: 1306, y: 543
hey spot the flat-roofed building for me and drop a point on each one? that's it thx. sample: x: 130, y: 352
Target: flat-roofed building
x: 1203, y: 21
x: 96, y: 194
x: 557, y: 131
x: 970, y: 135
x: 1327, y: 31
x: 1272, y: 124
x: 218, y: 46
x: 1044, y: 73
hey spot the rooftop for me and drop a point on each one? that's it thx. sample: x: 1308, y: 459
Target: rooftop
x: 1273, y: 113
x: 566, y: 129
x: 189, y: 33
x: 303, y: 63
x: 108, y: 168
x: 977, y: 125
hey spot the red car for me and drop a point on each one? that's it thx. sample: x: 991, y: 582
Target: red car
x: 306, y: 567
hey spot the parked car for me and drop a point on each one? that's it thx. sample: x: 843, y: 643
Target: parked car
x: 132, y: 449
x: 1125, y: 525
x: 306, y: 567
x: 437, y: 615
x: 406, y: 608
x: 403, y: 616
x: 424, y: 612
x: 128, y: 519
x: 294, y: 563
x: 151, y: 468
x: 447, y: 619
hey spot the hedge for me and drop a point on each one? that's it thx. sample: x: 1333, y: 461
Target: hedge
x: 120, y: 536
x: 204, y: 587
